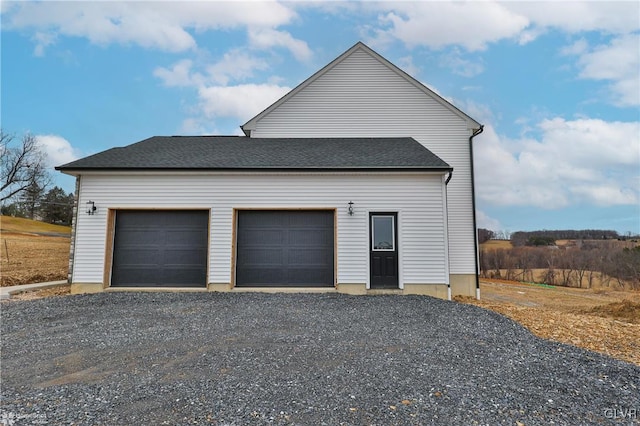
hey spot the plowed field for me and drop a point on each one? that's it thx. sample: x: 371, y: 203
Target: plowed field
x: 32, y: 258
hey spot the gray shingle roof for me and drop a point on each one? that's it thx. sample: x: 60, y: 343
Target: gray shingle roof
x: 243, y: 153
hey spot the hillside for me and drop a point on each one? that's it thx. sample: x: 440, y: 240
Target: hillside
x: 19, y: 224
x: 496, y: 244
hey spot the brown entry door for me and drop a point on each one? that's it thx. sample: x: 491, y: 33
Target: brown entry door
x: 383, y: 250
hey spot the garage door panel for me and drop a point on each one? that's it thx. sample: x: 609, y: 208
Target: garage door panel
x: 311, y: 218
x: 135, y: 256
x: 261, y: 236
x: 262, y: 256
x: 308, y: 277
x: 183, y: 256
x: 310, y: 257
x: 261, y: 277
x: 177, y: 277
x: 261, y: 219
x: 139, y: 237
x: 137, y: 276
x: 310, y: 237
x: 285, y: 248
x: 132, y: 219
x: 160, y: 248
x: 179, y: 237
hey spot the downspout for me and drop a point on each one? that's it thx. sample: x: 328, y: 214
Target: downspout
x: 446, y: 200
x: 475, y: 133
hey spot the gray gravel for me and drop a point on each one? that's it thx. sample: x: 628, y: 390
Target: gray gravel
x: 209, y: 358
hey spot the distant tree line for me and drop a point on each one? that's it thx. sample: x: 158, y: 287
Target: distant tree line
x: 546, y: 237
x: 485, y: 235
x: 577, y: 265
x: 53, y: 206
x: 24, y: 183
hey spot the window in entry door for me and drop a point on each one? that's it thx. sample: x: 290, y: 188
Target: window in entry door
x: 383, y: 233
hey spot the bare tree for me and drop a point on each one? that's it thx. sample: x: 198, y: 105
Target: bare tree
x: 22, y: 166
x: 485, y: 235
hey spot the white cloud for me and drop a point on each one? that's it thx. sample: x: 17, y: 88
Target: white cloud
x: 6, y: 6
x: 179, y: 75
x: 480, y: 112
x: 266, y: 38
x: 472, y: 25
x: 618, y: 62
x: 616, y: 17
x: 587, y: 161
x: 42, y: 40
x: 198, y: 126
x: 407, y: 65
x: 487, y: 222
x: 458, y: 65
x: 58, y: 150
x: 158, y: 25
x: 218, y: 98
x: 590, y: 142
x: 530, y: 34
x: 235, y: 65
x: 577, y: 48
x: 104, y: 23
x: 242, y: 101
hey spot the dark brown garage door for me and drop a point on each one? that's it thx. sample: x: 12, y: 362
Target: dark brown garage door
x: 160, y: 249
x: 285, y: 249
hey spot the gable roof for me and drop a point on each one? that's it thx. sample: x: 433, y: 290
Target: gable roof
x: 250, y: 125
x: 264, y: 154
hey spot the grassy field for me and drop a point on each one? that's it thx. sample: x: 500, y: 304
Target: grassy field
x: 19, y: 224
x: 496, y: 244
x: 32, y: 251
x: 506, y: 244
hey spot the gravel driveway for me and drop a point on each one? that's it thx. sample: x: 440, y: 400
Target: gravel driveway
x: 209, y: 358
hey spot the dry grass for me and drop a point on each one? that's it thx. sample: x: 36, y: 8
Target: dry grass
x: 537, y: 275
x: 63, y: 290
x: 27, y: 256
x: 602, y: 321
x: 626, y: 310
x: 496, y: 244
x: 18, y: 224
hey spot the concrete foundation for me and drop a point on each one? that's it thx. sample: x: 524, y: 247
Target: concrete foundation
x: 464, y: 285
x: 83, y: 288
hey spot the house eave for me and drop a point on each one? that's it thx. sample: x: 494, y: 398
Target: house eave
x: 80, y: 171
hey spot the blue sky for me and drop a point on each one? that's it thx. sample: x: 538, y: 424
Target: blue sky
x: 556, y: 84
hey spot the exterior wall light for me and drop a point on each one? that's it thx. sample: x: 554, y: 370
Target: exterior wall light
x: 91, y: 208
x: 350, y: 209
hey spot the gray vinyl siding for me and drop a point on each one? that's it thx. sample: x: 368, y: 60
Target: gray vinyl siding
x: 417, y: 197
x: 360, y: 96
